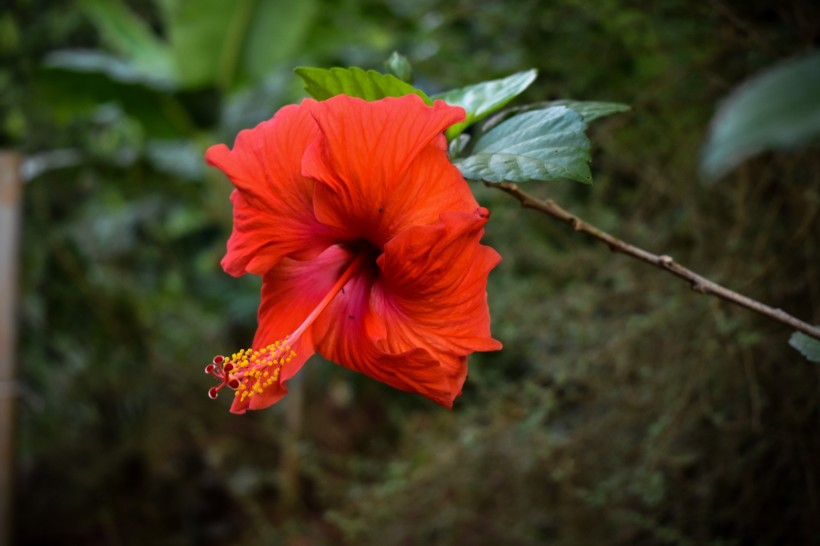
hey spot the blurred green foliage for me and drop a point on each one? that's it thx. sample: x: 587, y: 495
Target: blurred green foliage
x: 777, y: 109
x: 623, y: 410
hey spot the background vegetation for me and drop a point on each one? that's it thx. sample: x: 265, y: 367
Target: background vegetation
x: 623, y: 410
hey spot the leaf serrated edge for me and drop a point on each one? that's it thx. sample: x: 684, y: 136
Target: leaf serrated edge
x: 379, y: 83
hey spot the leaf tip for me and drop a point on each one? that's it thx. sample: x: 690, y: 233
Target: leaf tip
x: 806, y: 346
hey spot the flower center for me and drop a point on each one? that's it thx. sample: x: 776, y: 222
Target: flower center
x: 250, y: 371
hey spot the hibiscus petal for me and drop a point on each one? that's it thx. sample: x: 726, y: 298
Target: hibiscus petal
x: 273, y: 209
x: 344, y: 334
x: 432, y: 288
x: 289, y: 293
x: 383, y: 165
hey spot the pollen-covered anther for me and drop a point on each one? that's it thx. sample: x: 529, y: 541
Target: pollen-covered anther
x: 250, y: 371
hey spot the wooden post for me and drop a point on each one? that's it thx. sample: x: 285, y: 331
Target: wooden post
x: 10, y: 193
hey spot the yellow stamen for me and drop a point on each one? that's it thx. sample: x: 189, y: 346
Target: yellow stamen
x: 256, y: 369
x: 250, y: 371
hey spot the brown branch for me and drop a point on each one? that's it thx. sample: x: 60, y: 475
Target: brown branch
x: 699, y: 284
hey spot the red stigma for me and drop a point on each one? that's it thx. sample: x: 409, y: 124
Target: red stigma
x: 221, y: 370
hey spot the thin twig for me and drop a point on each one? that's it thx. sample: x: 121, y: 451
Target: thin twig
x: 699, y: 284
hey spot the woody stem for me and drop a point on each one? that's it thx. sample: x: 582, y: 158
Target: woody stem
x: 699, y: 284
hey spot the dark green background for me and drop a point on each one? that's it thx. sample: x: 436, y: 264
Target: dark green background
x: 625, y: 409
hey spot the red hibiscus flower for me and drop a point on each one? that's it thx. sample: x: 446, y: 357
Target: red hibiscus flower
x: 367, y: 239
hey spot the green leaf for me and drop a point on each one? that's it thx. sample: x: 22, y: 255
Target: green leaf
x: 399, y: 66
x: 128, y: 35
x: 806, y: 345
x: 67, y: 94
x: 276, y: 34
x: 778, y: 109
x: 323, y: 83
x: 92, y: 61
x: 482, y: 99
x: 590, y: 110
x: 543, y: 145
x: 230, y: 43
x: 198, y: 35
